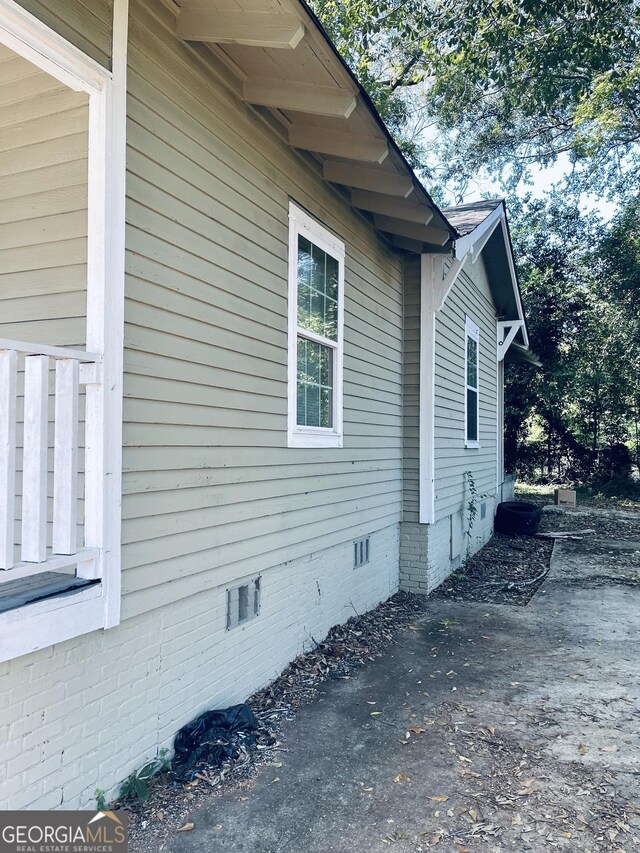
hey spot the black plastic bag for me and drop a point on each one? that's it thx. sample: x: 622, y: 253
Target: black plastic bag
x: 213, y: 738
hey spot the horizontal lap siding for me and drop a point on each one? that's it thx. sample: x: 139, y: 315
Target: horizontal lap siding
x: 84, y: 23
x: 411, y: 407
x: 211, y: 491
x: 470, y: 297
x: 43, y: 206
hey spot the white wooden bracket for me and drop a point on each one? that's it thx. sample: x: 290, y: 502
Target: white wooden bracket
x: 442, y: 288
x: 507, y: 330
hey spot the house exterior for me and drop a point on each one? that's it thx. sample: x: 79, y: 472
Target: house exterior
x: 463, y: 319
x: 246, y: 365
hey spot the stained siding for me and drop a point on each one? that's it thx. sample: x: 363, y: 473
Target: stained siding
x: 211, y: 491
x: 470, y: 297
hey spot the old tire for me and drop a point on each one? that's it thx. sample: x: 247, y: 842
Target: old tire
x: 517, y: 517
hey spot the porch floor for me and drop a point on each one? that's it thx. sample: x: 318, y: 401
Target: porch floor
x: 16, y: 593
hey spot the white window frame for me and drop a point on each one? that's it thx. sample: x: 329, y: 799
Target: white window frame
x: 471, y: 330
x: 300, y: 223
x: 43, y: 623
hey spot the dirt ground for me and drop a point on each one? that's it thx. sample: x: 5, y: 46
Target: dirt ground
x: 456, y: 725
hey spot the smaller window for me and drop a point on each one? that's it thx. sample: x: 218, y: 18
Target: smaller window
x: 472, y: 374
x: 361, y: 549
x: 243, y: 603
x: 316, y: 310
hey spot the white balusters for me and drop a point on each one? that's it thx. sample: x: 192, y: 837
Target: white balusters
x: 49, y: 521
x: 8, y: 374
x: 34, y: 459
x: 65, y: 460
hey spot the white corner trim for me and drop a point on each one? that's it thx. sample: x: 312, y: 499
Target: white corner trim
x: 105, y: 314
x: 113, y: 380
x: 431, y: 273
x: 23, y: 33
x: 313, y: 437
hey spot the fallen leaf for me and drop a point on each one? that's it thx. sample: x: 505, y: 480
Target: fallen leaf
x: 376, y: 713
x: 462, y: 758
x: 371, y: 703
x: 440, y: 798
x: 187, y: 827
x: 582, y: 749
x: 367, y: 790
x: 474, y: 815
x: 275, y: 779
x: 401, y: 778
x: 611, y: 748
x: 417, y: 730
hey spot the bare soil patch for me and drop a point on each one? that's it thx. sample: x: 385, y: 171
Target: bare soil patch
x: 346, y: 649
x: 508, y: 570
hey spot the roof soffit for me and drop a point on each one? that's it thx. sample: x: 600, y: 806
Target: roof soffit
x: 284, y: 62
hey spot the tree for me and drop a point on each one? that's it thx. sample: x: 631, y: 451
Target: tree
x: 509, y: 83
x: 578, y: 281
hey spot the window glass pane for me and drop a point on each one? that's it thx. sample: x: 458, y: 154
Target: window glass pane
x: 314, y: 385
x: 317, y: 290
x: 472, y: 415
x: 472, y: 362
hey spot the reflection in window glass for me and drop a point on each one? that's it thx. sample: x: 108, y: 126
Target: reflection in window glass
x: 315, y: 384
x: 317, y: 315
x: 317, y: 290
x: 472, y: 338
x: 472, y: 362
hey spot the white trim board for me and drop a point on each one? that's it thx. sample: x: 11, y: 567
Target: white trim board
x: 52, y: 621
x: 479, y: 235
x: 27, y: 36
x: 431, y: 269
x: 313, y: 437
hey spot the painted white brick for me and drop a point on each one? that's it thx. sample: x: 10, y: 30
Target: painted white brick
x: 84, y: 714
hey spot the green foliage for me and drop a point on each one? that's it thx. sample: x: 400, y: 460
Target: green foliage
x: 136, y: 785
x: 509, y: 83
x: 578, y: 416
x: 472, y: 510
x: 101, y: 803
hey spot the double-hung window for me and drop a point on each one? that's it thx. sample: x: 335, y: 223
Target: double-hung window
x: 472, y: 350
x: 316, y: 312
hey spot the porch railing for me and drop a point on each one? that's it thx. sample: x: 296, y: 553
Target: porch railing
x: 49, y: 534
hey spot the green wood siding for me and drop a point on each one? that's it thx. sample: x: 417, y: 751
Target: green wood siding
x: 84, y: 23
x: 211, y: 491
x: 43, y: 206
x: 411, y: 403
x: 470, y: 297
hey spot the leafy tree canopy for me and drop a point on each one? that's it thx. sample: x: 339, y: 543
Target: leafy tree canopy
x: 508, y: 82
x: 580, y: 285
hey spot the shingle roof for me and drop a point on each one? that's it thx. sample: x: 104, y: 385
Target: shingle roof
x: 466, y: 217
